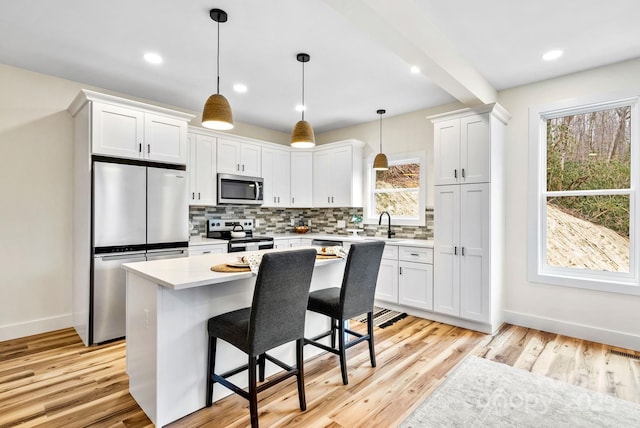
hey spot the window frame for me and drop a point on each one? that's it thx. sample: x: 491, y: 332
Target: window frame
x: 539, y: 271
x: 370, y: 216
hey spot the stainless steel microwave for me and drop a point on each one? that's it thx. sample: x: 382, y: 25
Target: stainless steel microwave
x: 240, y: 189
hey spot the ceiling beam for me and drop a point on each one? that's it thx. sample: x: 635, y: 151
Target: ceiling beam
x: 405, y: 30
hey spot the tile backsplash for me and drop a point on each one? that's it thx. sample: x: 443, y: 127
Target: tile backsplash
x: 323, y: 220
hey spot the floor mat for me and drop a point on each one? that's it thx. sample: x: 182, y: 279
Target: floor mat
x: 382, y: 317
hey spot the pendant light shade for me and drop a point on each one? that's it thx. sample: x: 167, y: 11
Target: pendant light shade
x: 302, y: 136
x: 217, y: 111
x: 380, y: 163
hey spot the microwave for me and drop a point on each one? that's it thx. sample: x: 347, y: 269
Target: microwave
x: 240, y: 189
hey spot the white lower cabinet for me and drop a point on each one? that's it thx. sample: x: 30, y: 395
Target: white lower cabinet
x: 287, y: 242
x: 462, y: 274
x: 406, y: 276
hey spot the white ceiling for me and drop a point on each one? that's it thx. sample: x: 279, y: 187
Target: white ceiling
x: 361, y: 50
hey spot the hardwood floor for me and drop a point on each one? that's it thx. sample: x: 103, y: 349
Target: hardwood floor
x: 52, y: 380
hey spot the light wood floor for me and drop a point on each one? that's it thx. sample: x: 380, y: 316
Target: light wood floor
x: 51, y: 380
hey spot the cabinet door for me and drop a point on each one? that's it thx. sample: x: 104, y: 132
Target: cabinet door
x: 165, y: 139
x: 321, y: 178
x: 228, y: 156
x: 202, y: 184
x: 446, y: 149
x: 117, y: 131
x: 474, y: 253
x: 301, y: 179
x: 250, y: 156
x: 387, y: 286
x: 446, y: 230
x: 276, y: 174
x: 475, y: 149
x: 415, y: 285
x: 341, y: 177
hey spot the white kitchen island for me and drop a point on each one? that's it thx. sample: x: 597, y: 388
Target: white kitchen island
x: 168, y: 305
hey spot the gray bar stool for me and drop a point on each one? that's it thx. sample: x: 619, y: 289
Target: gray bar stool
x: 354, y: 298
x: 276, y: 317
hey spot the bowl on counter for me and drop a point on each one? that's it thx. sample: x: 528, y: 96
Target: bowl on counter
x: 301, y: 229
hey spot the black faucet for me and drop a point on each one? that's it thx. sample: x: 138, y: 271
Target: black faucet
x: 389, y: 232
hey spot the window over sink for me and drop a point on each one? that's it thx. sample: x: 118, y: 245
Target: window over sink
x: 400, y: 190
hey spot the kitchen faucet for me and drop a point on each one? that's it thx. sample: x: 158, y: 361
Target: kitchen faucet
x: 389, y: 232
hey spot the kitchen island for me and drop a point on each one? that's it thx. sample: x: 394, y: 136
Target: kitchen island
x: 168, y: 305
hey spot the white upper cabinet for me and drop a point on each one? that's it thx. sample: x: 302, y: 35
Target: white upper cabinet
x: 236, y: 157
x: 301, y: 179
x: 129, y: 129
x: 202, y: 169
x: 462, y: 149
x: 337, y: 175
x: 276, y: 173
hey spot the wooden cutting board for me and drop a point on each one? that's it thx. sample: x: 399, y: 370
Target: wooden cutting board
x: 227, y: 268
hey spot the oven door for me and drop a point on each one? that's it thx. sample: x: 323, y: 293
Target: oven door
x: 238, y: 189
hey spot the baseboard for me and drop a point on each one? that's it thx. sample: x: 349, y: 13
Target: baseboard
x: 580, y: 331
x: 28, y: 328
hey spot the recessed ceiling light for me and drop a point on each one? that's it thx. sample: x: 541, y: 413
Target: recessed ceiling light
x: 240, y: 87
x: 415, y: 69
x: 300, y: 107
x: 551, y: 55
x: 153, y: 58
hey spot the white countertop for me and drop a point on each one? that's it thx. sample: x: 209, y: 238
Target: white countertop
x: 195, y: 271
x: 200, y: 240
x: 424, y: 243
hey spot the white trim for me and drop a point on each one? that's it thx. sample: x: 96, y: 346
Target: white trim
x: 29, y: 328
x: 538, y: 270
x: 369, y: 199
x: 580, y: 331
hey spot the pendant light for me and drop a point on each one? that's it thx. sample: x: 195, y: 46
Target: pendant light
x: 302, y: 136
x: 380, y: 163
x: 217, y: 111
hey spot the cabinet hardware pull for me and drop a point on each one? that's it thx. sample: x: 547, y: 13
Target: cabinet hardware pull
x: 278, y: 199
x: 198, y: 195
x: 328, y: 199
x: 193, y: 195
x: 415, y: 254
x: 462, y: 250
x: 206, y: 252
x: 148, y: 148
x: 274, y: 199
x: 237, y: 167
x: 455, y: 174
x: 400, y: 271
x: 242, y: 167
x: 332, y: 199
x: 455, y: 251
x: 293, y: 199
x: 463, y: 176
x: 139, y: 147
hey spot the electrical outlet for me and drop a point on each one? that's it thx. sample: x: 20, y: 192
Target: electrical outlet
x: 256, y: 223
x: 293, y: 222
x: 342, y: 224
x: 309, y: 223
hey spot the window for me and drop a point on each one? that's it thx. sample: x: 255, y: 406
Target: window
x: 583, y: 184
x: 398, y: 190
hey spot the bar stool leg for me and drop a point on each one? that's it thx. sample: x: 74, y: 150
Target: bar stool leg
x: 253, y: 392
x: 211, y: 361
x: 343, y: 352
x: 300, y: 366
x: 261, y: 365
x: 372, y: 352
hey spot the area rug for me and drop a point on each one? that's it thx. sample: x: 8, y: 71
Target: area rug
x: 482, y: 393
x: 382, y: 317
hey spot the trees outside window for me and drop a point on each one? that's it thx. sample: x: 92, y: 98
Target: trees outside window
x: 583, y: 200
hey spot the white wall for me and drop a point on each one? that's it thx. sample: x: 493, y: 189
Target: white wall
x: 36, y: 140
x: 604, y: 317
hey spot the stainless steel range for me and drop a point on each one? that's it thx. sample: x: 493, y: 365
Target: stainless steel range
x: 231, y: 230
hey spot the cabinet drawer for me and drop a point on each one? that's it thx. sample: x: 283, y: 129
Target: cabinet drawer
x: 390, y: 252
x: 416, y: 254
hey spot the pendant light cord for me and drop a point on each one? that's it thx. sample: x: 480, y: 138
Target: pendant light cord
x: 381, y: 132
x: 218, y: 61
x: 303, y: 105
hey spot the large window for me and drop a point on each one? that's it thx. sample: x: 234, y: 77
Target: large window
x: 583, y: 188
x: 399, y: 190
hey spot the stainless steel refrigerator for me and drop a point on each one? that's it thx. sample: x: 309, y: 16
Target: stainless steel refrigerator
x: 140, y: 213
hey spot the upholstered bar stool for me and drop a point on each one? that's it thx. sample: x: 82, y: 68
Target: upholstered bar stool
x: 276, y: 317
x: 354, y: 298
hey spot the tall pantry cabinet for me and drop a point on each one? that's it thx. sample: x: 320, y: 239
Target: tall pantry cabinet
x: 469, y: 230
